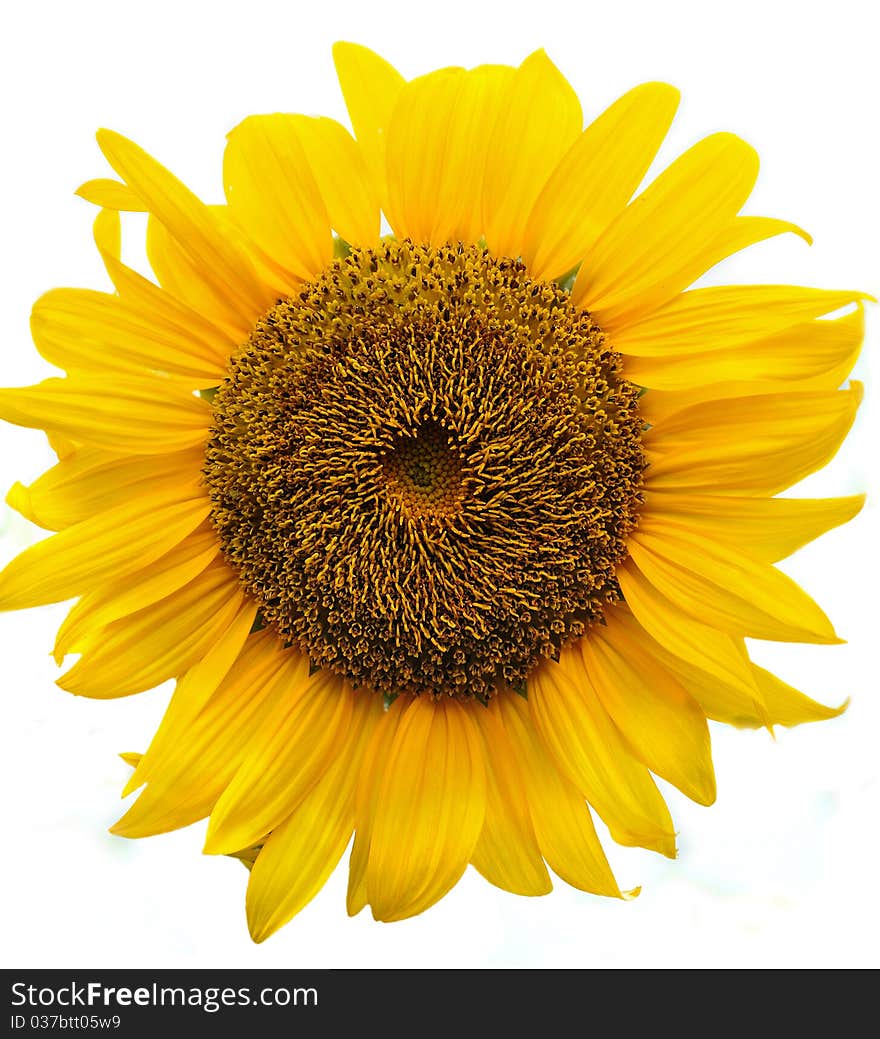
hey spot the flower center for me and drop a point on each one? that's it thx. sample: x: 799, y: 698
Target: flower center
x: 424, y: 467
x: 423, y: 472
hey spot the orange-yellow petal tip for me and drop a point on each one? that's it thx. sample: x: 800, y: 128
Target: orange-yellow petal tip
x: 19, y: 499
x: 134, y: 781
x: 259, y: 934
x: 110, y: 142
x: 103, y: 135
x: 801, y: 233
x: 345, y: 50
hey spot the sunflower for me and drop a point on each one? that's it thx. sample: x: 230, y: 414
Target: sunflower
x: 449, y: 537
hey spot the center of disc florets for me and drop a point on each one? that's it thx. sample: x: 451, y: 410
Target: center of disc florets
x: 424, y: 467
x: 423, y: 472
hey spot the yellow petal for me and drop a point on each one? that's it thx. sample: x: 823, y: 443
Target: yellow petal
x: 343, y: 178
x: 123, y: 415
x: 655, y: 237
x: 787, y: 705
x: 429, y: 810
x: 749, y: 445
x: 301, y: 853
x: 422, y: 190
x: 780, y: 704
x: 226, y: 271
x: 720, y: 586
x: 284, y: 759
x: 436, y: 153
x: 768, y: 529
x: 107, y: 233
x: 587, y: 746
x: 484, y: 96
x: 596, y: 179
x: 193, y: 691
x: 370, y: 87
x: 100, y: 549
x: 272, y: 194
x: 720, y: 698
x: 165, y: 311
x: 110, y: 194
x: 88, y: 481
x: 713, y: 651
x: 191, y: 770
x: 662, y: 724
x: 366, y: 802
x: 157, y: 642
x: 62, y: 446
x: 563, y: 824
x: 741, y: 232
x: 539, y: 121
x: 507, y: 852
x: 92, y: 332
x: 724, y: 317
x: 121, y: 598
x: 798, y: 352
x: 185, y: 280
x: 659, y: 405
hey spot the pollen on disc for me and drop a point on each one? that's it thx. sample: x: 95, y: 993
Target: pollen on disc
x: 424, y: 467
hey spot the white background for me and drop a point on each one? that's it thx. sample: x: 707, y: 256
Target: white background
x: 782, y: 870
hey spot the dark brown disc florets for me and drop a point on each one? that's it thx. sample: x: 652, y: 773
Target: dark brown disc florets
x: 424, y: 467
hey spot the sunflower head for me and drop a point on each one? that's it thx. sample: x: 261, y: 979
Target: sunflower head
x: 424, y: 467
x: 450, y: 537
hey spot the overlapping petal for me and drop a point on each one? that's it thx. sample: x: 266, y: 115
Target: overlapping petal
x: 274, y: 196
x: 777, y: 362
x: 197, y: 760
x: 647, y: 252
x: 88, y: 481
x: 123, y: 416
x: 595, y: 179
x: 562, y: 821
x: 121, y: 598
x: 301, y: 853
x: 287, y: 755
x: 726, y: 589
x: 370, y: 87
x: 159, y: 641
x: 660, y: 722
x: 437, y: 152
x: 99, y: 549
x: 539, y: 120
x: 749, y: 445
x: 768, y: 529
x: 431, y: 786
x: 589, y: 748
x: 507, y: 851
x: 225, y: 271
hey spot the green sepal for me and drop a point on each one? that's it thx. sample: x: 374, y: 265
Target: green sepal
x: 520, y: 688
x: 566, y: 282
